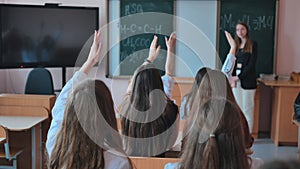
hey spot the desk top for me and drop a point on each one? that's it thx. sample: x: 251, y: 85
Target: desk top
x: 26, y: 96
x: 279, y: 83
x: 19, y: 123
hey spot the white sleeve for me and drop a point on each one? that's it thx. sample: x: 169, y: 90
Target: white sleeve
x: 228, y: 65
x: 168, y: 83
x: 183, y: 113
x: 172, y: 165
x: 59, y: 109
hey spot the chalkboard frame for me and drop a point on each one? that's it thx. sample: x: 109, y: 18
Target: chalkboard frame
x: 274, y: 45
x: 109, y: 73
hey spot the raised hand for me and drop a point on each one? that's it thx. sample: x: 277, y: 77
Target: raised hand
x: 170, y: 43
x: 154, y: 51
x: 94, y: 55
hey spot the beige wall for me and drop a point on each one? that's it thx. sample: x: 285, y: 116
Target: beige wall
x: 288, y: 50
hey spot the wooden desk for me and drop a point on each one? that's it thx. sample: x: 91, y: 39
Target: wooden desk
x: 27, y: 100
x: 182, y: 86
x: 33, y: 123
x: 284, y: 93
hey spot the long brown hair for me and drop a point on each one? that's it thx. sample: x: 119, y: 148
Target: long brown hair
x: 147, y: 112
x: 249, y: 44
x: 215, y: 84
x: 215, y: 138
x: 88, y: 129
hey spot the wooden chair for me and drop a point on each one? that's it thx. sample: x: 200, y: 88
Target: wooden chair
x: 8, y: 155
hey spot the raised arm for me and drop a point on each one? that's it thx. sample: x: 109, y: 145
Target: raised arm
x: 94, y: 55
x: 170, y: 43
x: 60, y: 104
x: 154, y: 50
x: 231, y: 42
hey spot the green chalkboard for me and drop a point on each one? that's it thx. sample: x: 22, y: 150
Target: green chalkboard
x: 260, y: 16
x: 140, y: 20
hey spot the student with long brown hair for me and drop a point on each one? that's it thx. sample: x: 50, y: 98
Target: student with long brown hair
x: 83, y: 133
x: 189, y: 98
x: 213, y: 83
x: 149, y: 118
x: 215, y: 138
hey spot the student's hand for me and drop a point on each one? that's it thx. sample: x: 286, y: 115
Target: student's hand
x: 94, y: 55
x: 170, y: 43
x: 153, y: 52
x: 230, y: 40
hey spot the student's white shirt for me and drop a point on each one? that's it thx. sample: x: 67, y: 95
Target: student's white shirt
x: 59, y: 109
x: 183, y: 113
x: 168, y: 83
x: 111, y: 160
x: 255, y: 164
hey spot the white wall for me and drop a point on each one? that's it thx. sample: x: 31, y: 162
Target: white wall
x: 196, y: 32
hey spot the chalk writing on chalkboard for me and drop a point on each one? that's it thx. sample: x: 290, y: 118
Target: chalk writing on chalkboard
x: 255, y: 23
x: 137, y: 28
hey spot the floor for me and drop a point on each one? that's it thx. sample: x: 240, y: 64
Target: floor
x: 268, y: 151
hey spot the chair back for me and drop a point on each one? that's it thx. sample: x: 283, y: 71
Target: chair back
x: 39, y: 81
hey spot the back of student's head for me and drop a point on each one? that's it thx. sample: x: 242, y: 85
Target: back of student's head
x: 213, y: 84
x: 198, y: 78
x: 147, y: 114
x: 215, y: 138
x: 146, y: 79
x: 88, y: 129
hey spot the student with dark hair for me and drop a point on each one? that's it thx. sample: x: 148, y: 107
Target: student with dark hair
x: 149, y: 118
x: 83, y: 133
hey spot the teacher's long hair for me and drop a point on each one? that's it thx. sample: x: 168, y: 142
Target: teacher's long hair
x: 249, y: 44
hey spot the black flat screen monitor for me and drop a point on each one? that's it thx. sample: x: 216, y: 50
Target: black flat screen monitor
x: 44, y: 36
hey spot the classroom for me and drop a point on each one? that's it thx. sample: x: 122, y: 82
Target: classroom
x: 127, y: 28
